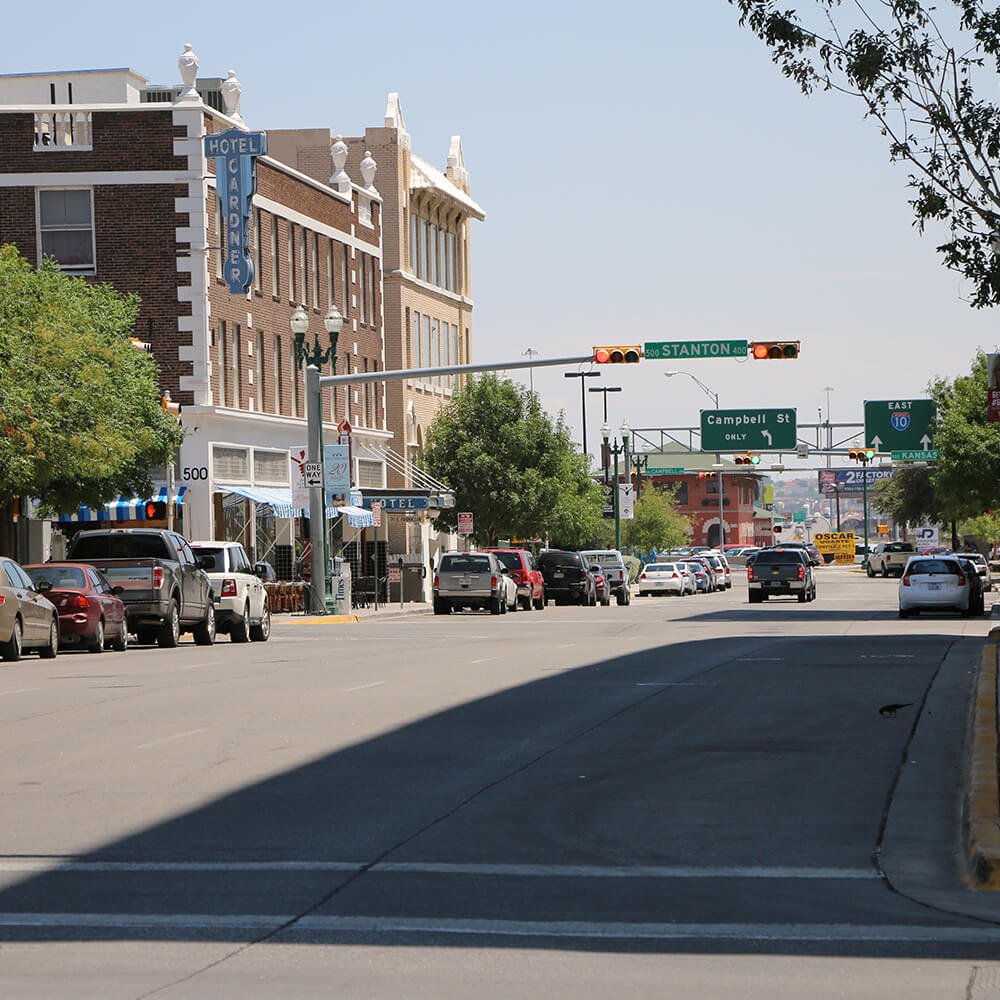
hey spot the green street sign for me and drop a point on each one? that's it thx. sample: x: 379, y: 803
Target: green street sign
x: 657, y: 471
x: 748, y: 430
x: 684, y: 350
x: 900, y: 424
x: 930, y: 455
x: 799, y: 517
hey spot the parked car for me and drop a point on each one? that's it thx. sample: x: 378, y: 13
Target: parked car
x: 91, y: 614
x: 522, y: 570
x: 165, y: 590
x: 781, y: 572
x: 717, y: 567
x: 971, y: 570
x: 982, y: 568
x: 890, y: 558
x: 936, y: 583
x: 663, y: 578
x: 711, y: 574
x: 241, y: 608
x: 814, y: 557
x: 720, y: 558
x: 700, y: 575
x: 474, y: 580
x: 612, y: 567
x: 28, y: 619
x: 568, y: 579
x: 601, y: 585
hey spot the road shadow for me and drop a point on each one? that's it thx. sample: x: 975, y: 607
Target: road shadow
x: 588, y: 799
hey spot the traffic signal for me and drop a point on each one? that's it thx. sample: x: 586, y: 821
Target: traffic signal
x: 706, y: 475
x: 618, y: 354
x: 771, y: 349
x: 168, y: 406
x: 748, y: 459
x: 156, y: 510
x: 777, y: 529
x: 861, y: 454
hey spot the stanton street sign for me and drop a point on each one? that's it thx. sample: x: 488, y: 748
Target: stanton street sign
x: 900, y: 424
x: 668, y: 350
x: 748, y: 430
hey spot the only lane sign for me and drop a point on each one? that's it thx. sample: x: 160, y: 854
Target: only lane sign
x: 748, y: 430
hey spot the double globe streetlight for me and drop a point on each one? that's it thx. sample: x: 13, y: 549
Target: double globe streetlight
x: 318, y: 355
x: 620, y: 447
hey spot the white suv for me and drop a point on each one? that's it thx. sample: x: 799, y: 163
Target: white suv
x: 240, y: 598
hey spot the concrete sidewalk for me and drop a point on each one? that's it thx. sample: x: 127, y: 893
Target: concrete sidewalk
x: 357, y: 615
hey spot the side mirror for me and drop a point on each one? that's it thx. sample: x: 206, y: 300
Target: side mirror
x: 260, y: 570
x: 43, y: 586
x: 595, y: 569
x: 504, y: 570
x: 117, y: 590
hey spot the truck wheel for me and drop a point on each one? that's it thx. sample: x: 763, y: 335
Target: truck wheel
x: 441, y: 606
x: 97, y: 646
x: 496, y: 606
x: 885, y: 571
x: 168, y: 635
x: 539, y: 602
x: 525, y: 603
x: 11, y: 649
x: 262, y: 632
x: 870, y: 571
x: 204, y: 631
x: 240, y: 631
x: 49, y: 652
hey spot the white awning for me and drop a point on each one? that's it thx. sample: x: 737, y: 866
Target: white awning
x: 279, y: 498
x: 357, y: 517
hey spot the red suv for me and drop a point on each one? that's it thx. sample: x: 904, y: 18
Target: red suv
x: 521, y: 569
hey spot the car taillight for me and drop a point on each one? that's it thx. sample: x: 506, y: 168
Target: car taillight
x: 960, y: 576
x: 493, y: 581
x: 802, y: 572
x: 2, y: 599
x: 674, y: 576
x: 749, y: 572
x: 906, y: 580
x: 228, y: 588
x: 642, y: 576
x: 157, y: 577
x: 436, y: 580
x: 77, y: 603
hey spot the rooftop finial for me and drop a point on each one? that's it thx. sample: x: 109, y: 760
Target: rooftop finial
x: 188, y: 65
x: 232, y: 90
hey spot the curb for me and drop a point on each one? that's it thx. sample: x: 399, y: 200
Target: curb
x: 981, y: 805
x: 323, y: 620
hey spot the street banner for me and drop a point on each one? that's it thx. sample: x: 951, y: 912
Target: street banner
x: 993, y: 387
x: 626, y: 501
x: 296, y: 470
x: 839, y: 544
x: 376, y: 513
x: 336, y: 471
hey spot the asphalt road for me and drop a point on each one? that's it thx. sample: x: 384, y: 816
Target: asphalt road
x: 687, y: 797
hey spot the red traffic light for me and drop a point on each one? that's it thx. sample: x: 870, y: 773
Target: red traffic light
x: 774, y: 349
x: 156, y: 510
x: 777, y: 529
x: 617, y: 354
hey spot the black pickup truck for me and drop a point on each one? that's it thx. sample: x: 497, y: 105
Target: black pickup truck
x: 781, y: 572
x: 164, y: 585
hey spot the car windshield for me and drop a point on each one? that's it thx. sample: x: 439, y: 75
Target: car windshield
x: 216, y: 555
x: 898, y: 547
x: 661, y: 568
x: 714, y: 561
x: 58, y: 576
x: 509, y: 559
x: 603, y: 558
x: 777, y: 556
x: 465, y: 564
x: 922, y: 567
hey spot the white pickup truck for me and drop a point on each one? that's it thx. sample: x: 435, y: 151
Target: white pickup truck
x: 890, y: 558
x: 613, y: 570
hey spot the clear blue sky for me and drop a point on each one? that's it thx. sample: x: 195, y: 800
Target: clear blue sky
x: 646, y: 172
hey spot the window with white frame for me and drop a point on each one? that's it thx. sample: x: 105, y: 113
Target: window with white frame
x: 442, y: 258
x: 291, y: 262
x: 237, y: 369
x: 66, y: 227
x: 329, y: 273
x: 315, y: 270
x: 363, y: 290
x: 416, y: 355
x: 274, y: 255
x: 230, y: 463
x: 432, y: 255
x: 455, y: 359
x: 223, y: 361
x: 345, y: 282
x: 373, y: 286
x: 370, y: 475
x: 303, y: 267
x: 259, y: 380
x: 422, y: 254
x: 427, y: 342
x: 436, y: 346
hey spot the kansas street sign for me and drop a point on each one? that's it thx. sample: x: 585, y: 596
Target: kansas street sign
x: 900, y: 424
x: 748, y: 430
x: 235, y: 153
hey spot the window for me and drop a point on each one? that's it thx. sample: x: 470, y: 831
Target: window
x: 66, y: 227
x: 372, y: 286
x: 329, y: 273
x: 363, y: 289
x: 427, y: 342
x: 277, y: 374
x: 416, y: 355
x: 223, y: 364
x: 303, y: 267
x: 369, y: 474
x: 422, y: 256
x: 367, y: 395
x: 442, y: 258
x: 270, y: 466
x: 260, y: 371
x: 257, y: 253
x: 274, y: 256
x: 291, y: 262
x: 436, y: 348
x: 413, y: 243
x: 230, y: 464
x: 455, y: 359
x: 315, y: 270
x: 293, y: 384
x: 220, y: 250
x: 432, y: 255
x: 345, y: 282
x: 453, y: 262
x: 237, y: 367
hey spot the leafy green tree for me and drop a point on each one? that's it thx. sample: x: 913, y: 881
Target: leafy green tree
x: 656, y: 524
x: 80, y: 415
x: 908, y: 497
x: 512, y: 466
x: 985, y: 527
x: 917, y: 85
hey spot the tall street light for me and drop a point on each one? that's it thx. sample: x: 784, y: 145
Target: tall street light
x: 583, y: 398
x: 317, y: 355
x: 714, y: 396
x: 605, y: 389
x: 638, y: 462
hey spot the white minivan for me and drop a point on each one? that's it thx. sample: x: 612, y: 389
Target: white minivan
x: 241, y: 607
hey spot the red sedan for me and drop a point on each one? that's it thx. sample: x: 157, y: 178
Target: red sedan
x: 91, y: 614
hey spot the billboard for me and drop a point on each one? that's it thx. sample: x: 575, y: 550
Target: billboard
x: 850, y: 482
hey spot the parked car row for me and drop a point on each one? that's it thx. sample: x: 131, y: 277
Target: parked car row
x: 683, y: 572
x: 116, y: 583
x: 501, y: 580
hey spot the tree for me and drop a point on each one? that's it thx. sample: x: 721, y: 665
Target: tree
x: 512, y: 466
x: 895, y: 58
x: 985, y: 527
x: 656, y: 523
x: 80, y: 414
x: 908, y: 497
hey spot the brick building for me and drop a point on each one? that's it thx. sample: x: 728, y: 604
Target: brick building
x: 427, y: 299
x: 108, y: 175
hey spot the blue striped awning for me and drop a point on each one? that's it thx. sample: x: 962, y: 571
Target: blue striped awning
x: 357, y: 517
x: 278, y: 498
x: 123, y: 509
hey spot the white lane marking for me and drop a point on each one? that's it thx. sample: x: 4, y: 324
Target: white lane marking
x: 195, y: 666
x: 488, y: 659
x: 677, y: 684
x: 18, y: 691
x: 447, y: 868
x: 362, y: 687
x: 888, y: 656
x: 170, y: 739
x: 515, y: 928
x: 567, y: 645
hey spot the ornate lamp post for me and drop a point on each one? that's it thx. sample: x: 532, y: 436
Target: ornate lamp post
x: 638, y: 463
x: 318, y: 355
x: 620, y: 447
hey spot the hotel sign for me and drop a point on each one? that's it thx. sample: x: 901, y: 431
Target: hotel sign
x: 235, y: 153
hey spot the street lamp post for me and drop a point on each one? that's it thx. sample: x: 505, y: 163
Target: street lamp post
x: 583, y: 398
x: 714, y: 396
x: 639, y: 463
x: 605, y: 389
x: 618, y: 448
x: 312, y: 358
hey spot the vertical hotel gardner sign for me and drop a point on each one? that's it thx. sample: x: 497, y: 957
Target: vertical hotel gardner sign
x: 235, y: 153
